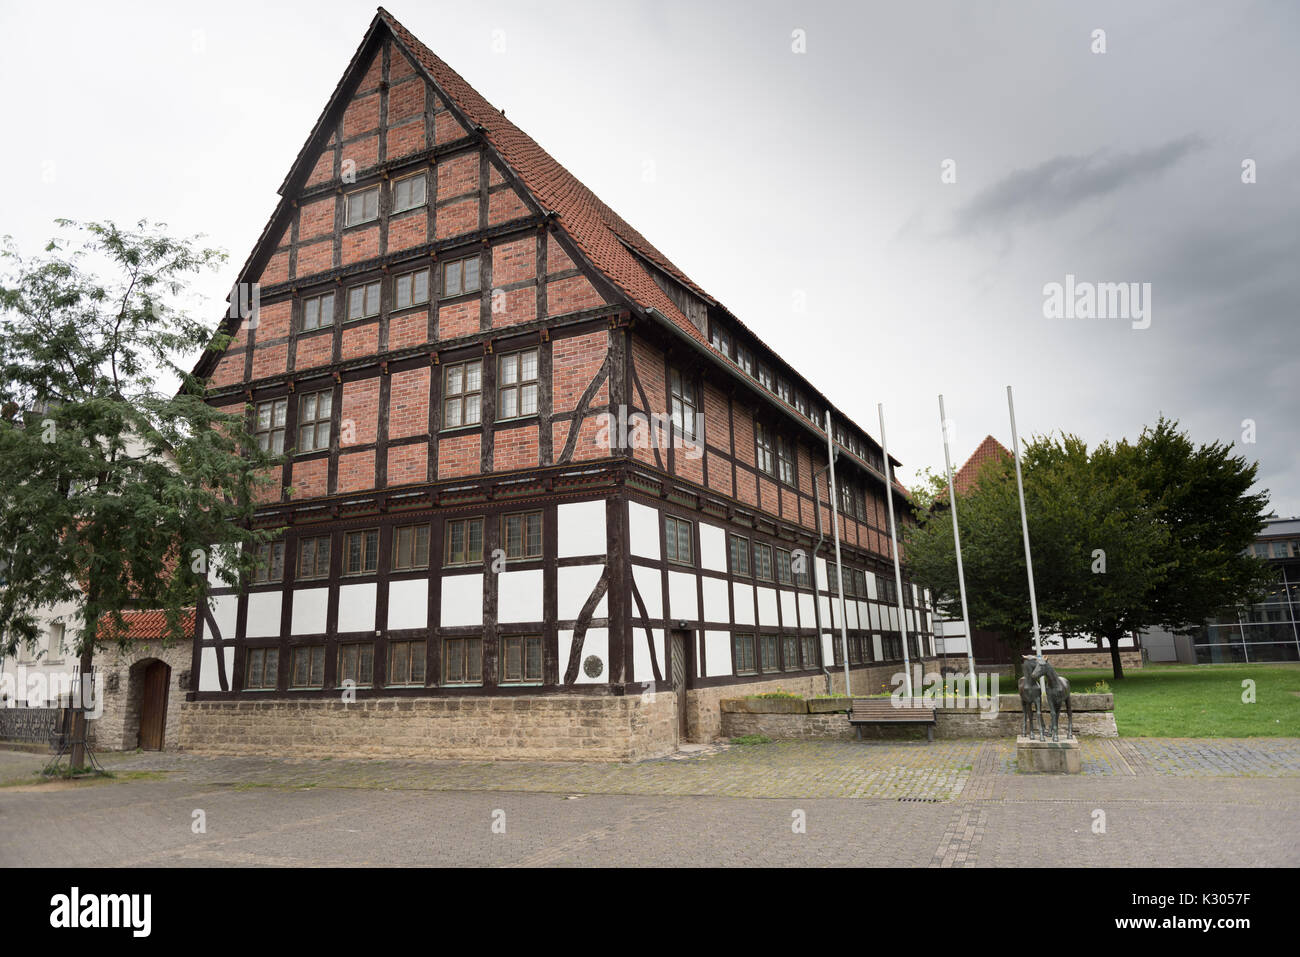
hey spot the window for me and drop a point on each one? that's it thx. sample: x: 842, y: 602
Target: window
x: 464, y: 542
x: 855, y: 650
x: 361, y: 552
x: 765, y: 377
x: 763, y: 561
x: 314, y: 557
x: 800, y: 568
x: 809, y: 651
x: 521, y: 660
x: 357, y: 664
x: 739, y: 555
x: 363, y: 206
x: 721, y: 341
x: 411, y: 289
x: 744, y: 359
x: 517, y: 384
x: 790, y: 652
x: 411, y: 547
x: 406, y: 660
x: 363, y: 301
x: 767, y: 650
x: 684, y: 404
x: 269, y: 428
x: 462, y: 661
x: 743, y: 647
x: 314, y: 420
x: 308, y: 669
x: 677, y: 540
x: 270, y: 563
x: 892, y: 647
x: 462, y: 393
x: 460, y: 276
x: 801, y: 404
x: 783, y: 389
x: 54, y: 642
x: 410, y: 192
x: 784, y: 574
x: 785, y: 460
x: 318, y: 311
x: 522, y: 533
x: 261, y: 668
x: 763, y: 445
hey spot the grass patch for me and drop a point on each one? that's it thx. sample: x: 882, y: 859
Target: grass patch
x: 752, y: 739
x: 776, y: 694
x: 1198, y: 701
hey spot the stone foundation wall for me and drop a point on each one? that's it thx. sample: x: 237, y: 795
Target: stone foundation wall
x: 547, y: 728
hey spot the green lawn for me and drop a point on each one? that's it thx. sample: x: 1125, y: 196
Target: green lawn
x: 1198, y: 701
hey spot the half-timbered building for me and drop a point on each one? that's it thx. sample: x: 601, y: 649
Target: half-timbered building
x: 542, y: 494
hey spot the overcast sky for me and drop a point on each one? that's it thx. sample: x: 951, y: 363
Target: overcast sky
x: 774, y: 178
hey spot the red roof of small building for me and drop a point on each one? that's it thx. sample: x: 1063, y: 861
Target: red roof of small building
x: 144, y: 625
x: 989, y: 450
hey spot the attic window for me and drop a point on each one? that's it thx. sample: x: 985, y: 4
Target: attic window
x: 363, y: 206
x: 410, y: 192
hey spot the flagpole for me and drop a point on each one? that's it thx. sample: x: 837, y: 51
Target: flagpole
x: 893, y: 540
x: 956, y: 537
x: 839, y: 565
x: 1024, y: 526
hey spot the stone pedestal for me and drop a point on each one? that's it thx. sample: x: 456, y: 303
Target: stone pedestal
x: 1048, y: 757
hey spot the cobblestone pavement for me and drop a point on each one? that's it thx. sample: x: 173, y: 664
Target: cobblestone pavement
x: 948, y: 804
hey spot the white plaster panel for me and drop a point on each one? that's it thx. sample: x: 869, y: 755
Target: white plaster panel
x: 263, y: 614
x: 683, y: 596
x: 519, y: 596
x: 806, y: 617
x: 215, y: 564
x: 408, y: 603
x: 462, y: 599
x: 580, y: 529
x: 713, y: 548
x: 717, y: 653
x: 643, y: 530
x: 642, y: 669
x: 743, y: 597
x: 716, y: 606
x: 209, y: 679
x: 879, y: 646
x: 357, y: 607
x: 871, y: 587
x: 788, y: 615
x: 309, y: 608
x: 574, y: 584
x: 225, y: 612
x: 595, y: 643
x: 650, y: 588
x: 767, y: 615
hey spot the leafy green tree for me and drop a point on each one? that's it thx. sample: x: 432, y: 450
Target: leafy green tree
x: 116, y: 492
x: 1124, y: 537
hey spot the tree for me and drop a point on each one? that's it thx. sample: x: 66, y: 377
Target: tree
x: 1124, y: 537
x: 115, y: 493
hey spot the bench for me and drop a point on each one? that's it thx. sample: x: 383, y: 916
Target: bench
x: 882, y: 711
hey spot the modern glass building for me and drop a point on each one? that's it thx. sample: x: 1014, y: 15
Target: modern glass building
x: 1267, y: 630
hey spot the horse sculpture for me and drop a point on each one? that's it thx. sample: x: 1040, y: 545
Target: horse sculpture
x: 1029, y: 699
x: 1058, y: 693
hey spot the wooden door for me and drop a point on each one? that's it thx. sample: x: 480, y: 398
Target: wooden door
x: 679, y: 680
x: 153, y: 706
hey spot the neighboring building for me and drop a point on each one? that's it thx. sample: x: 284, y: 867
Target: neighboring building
x: 459, y: 346
x: 1268, y: 629
x: 989, y: 648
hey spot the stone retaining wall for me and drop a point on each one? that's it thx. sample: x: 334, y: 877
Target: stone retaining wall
x: 787, y: 720
x: 548, y: 728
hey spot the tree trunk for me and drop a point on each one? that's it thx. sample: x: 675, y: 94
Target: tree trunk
x: 1116, y: 665
x: 77, y: 761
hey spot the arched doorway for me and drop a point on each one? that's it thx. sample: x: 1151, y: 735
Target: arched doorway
x: 152, y: 680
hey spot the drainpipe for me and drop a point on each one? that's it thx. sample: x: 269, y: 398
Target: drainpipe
x: 839, y: 563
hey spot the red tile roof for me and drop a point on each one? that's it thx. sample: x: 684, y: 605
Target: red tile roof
x: 989, y: 450
x: 144, y: 625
